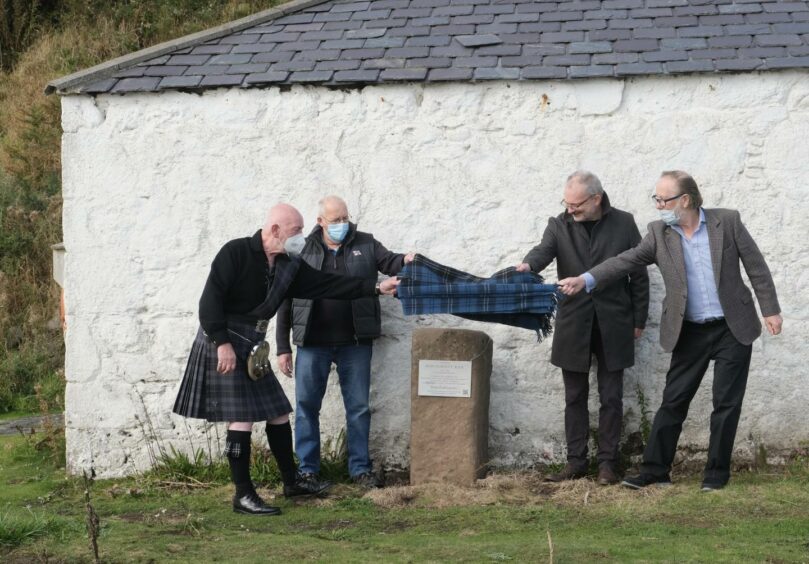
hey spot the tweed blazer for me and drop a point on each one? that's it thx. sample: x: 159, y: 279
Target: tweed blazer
x: 729, y: 242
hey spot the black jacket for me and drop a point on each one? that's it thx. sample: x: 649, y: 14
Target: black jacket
x: 619, y: 307
x: 361, y: 255
x: 242, y: 283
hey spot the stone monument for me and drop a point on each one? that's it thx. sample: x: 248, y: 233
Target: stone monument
x: 449, y: 409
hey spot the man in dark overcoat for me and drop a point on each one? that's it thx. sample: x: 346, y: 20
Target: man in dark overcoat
x: 249, y: 279
x: 604, y: 323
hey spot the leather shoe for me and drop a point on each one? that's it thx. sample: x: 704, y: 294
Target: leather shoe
x: 251, y: 504
x: 306, y: 484
x: 645, y: 480
x: 569, y: 472
x: 606, y: 475
x: 367, y: 481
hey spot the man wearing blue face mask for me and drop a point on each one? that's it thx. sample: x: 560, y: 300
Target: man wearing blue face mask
x: 708, y: 314
x: 249, y: 279
x: 333, y: 331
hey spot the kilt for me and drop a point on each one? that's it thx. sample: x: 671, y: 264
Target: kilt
x: 206, y: 394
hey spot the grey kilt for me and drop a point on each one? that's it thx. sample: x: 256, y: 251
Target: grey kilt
x: 206, y: 394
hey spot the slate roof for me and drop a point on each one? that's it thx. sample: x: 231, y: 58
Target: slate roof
x: 350, y: 42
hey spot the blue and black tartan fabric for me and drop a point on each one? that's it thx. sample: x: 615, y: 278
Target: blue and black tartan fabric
x: 519, y: 299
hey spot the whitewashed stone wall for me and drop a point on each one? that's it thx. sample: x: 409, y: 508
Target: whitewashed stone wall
x: 467, y: 174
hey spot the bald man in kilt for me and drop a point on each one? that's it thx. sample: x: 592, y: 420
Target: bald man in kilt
x: 249, y: 279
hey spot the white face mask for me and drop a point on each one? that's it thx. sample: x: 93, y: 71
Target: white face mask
x: 669, y: 217
x: 294, y: 245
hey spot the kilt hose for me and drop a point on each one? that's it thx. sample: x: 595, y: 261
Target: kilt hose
x: 206, y: 394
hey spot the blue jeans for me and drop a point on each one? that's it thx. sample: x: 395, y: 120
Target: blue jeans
x: 312, y: 367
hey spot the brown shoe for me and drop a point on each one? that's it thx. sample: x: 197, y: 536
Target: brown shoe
x: 606, y: 476
x: 568, y: 473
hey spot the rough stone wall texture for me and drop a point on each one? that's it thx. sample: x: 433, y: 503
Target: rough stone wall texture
x: 467, y: 174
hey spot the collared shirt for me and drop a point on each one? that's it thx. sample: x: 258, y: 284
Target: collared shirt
x: 702, y: 302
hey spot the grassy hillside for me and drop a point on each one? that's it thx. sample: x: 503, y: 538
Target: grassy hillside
x: 41, y: 40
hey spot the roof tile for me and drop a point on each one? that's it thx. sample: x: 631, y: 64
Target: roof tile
x: 365, y: 75
x: 222, y: 80
x: 179, y: 82
x: 449, y: 74
x: 311, y: 76
x: 403, y: 74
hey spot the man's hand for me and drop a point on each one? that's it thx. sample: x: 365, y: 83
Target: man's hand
x: 774, y: 323
x: 409, y: 258
x: 225, y: 358
x: 285, y: 364
x: 638, y: 332
x: 571, y: 286
x: 388, y: 287
x: 523, y: 267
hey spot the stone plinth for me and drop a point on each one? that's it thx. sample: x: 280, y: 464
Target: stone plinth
x: 449, y: 436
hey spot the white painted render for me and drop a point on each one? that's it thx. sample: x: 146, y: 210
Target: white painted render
x: 466, y: 174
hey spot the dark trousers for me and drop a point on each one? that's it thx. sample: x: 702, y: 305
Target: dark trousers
x: 697, y: 346
x: 610, y: 414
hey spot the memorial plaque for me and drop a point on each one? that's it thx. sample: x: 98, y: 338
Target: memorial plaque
x: 445, y: 378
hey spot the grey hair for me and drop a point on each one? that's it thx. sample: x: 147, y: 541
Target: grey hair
x: 321, y: 205
x: 590, y: 181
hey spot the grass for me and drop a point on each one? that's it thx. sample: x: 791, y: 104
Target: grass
x: 507, y: 517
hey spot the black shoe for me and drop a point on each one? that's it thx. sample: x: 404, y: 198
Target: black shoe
x: 306, y: 484
x: 569, y: 472
x: 643, y: 480
x: 711, y: 486
x: 251, y: 504
x: 367, y: 481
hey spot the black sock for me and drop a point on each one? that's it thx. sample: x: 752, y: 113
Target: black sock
x: 237, y: 449
x: 280, y: 439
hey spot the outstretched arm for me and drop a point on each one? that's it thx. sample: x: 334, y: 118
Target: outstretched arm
x: 611, y: 269
x: 541, y: 255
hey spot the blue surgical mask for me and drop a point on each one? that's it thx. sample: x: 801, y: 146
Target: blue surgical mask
x: 669, y: 217
x: 337, y: 231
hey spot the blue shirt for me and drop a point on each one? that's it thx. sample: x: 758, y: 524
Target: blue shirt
x: 702, y: 301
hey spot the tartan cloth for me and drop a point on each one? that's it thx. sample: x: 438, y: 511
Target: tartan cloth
x: 519, y: 299
x: 206, y: 394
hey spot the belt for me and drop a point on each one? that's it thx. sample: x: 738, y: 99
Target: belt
x: 709, y: 321
x: 260, y: 324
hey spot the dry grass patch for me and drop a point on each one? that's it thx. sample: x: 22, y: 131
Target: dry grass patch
x: 524, y: 489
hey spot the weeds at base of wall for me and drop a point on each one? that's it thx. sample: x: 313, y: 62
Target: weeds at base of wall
x: 49, y: 440
x: 194, y: 466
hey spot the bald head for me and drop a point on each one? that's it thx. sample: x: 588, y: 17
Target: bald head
x: 332, y: 208
x: 283, y: 214
x: 283, y: 222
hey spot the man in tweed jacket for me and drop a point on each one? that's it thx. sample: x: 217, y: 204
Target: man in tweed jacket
x: 708, y: 314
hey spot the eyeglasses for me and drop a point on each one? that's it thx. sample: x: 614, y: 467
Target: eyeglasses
x: 345, y: 219
x: 570, y: 206
x: 663, y: 201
